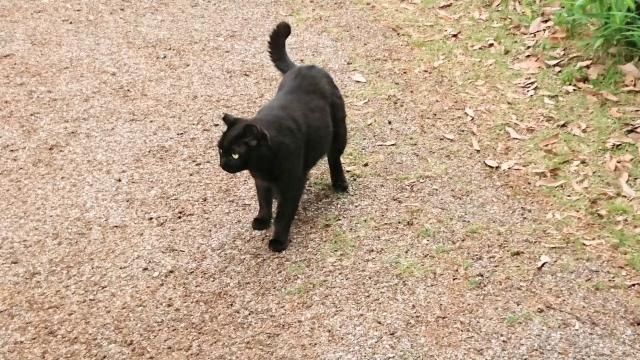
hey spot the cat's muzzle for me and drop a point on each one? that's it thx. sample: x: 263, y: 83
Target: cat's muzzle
x: 230, y: 168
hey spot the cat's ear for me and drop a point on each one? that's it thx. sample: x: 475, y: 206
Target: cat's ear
x: 255, y: 134
x: 229, y: 120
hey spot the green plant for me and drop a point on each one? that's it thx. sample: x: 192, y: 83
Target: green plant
x: 426, y: 233
x: 473, y: 282
x: 512, y: 319
x: 634, y: 261
x: 341, y: 242
x: 408, y: 267
x: 441, y: 249
x: 612, y: 22
x: 295, y: 268
x: 300, y: 289
x: 599, y: 286
x: 474, y: 229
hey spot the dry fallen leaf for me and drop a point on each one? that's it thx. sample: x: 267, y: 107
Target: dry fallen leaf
x: 576, y: 130
x: 595, y: 71
x: 360, y: 103
x: 449, y: 136
x: 470, y: 112
x: 507, y: 165
x: 607, y: 95
x: 629, y: 88
x: 496, y: 3
x: 583, y: 64
x: 629, y: 69
x: 443, y: 15
x: 548, y: 101
x: 359, y: 78
x: 530, y: 65
x: 593, y: 242
x: 513, y: 133
x: 626, y: 190
x: 544, y: 259
x: 491, y: 163
x: 437, y: 63
x: 407, y: 6
x: 550, y: 182
x: 632, y: 283
x: 388, y: 143
x: 550, y: 140
x: 577, y: 187
x: 610, y: 163
x: 592, y: 98
x: 614, y: 113
x: 629, y: 80
x: 535, y: 25
x: 620, y: 138
x: 553, y: 62
x: 475, y: 144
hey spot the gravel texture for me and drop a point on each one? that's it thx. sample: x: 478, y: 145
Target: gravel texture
x: 121, y: 238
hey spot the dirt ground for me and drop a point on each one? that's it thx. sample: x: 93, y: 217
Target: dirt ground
x: 121, y: 238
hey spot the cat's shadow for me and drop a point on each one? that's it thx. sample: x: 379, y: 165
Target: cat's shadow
x: 316, y: 204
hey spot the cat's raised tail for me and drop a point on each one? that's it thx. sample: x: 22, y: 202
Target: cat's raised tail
x: 277, y: 48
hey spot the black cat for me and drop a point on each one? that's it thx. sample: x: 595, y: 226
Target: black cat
x: 305, y: 121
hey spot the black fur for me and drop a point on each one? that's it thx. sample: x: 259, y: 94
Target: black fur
x: 305, y: 121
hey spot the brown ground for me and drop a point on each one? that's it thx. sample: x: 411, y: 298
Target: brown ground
x: 120, y: 237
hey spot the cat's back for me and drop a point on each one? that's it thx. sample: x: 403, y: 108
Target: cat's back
x: 307, y: 80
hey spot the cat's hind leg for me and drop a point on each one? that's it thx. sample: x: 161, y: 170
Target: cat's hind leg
x: 338, y: 144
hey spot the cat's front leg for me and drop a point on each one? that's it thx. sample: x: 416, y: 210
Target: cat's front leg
x: 262, y: 221
x: 287, y: 208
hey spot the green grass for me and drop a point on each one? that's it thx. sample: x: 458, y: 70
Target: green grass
x: 618, y: 207
x: 474, y: 282
x: 426, y: 233
x: 330, y: 220
x: 408, y: 267
x: 341, y: 242
x: 462, y: 65
x: 476, y: 229
x: 634, y: 261
x: 296, y: 268
x: 300, y: 289
x: 611, y: 23
x: 441, y: 249
x: 599, y: 286
x: 304, y: 287
x: 512, y: 320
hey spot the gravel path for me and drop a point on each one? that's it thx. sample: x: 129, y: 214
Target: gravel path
x: 121, y: 238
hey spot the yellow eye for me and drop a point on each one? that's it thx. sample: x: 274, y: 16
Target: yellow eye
x: 235, y: 156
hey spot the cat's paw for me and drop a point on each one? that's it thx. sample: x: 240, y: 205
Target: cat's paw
x: 340, y: 186
x: 260, y: 224
x: 278, y: 245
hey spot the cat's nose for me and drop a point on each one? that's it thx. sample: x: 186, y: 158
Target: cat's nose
x: 224, y: 164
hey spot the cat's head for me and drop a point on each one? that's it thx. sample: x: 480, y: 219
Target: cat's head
x: 239, y: 143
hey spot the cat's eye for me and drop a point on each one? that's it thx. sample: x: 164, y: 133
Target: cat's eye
x: 235, y: 156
